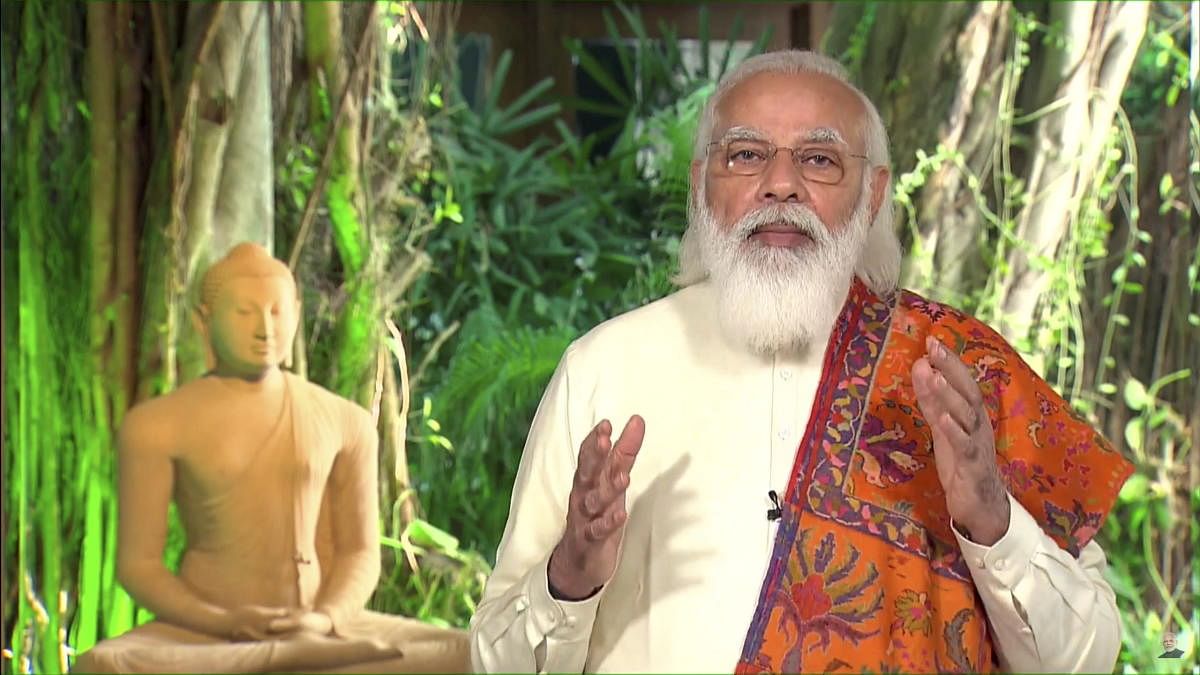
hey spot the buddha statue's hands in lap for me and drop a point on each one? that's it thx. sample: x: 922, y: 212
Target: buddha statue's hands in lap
x: 275, y: 480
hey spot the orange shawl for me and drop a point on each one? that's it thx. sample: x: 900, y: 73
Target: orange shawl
x: 865, y: 574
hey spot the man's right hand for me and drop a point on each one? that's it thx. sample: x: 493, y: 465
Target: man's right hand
x: 586, y: 556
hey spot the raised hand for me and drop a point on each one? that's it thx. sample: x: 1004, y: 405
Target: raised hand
x: 586, y: 556
x: 964, y: 444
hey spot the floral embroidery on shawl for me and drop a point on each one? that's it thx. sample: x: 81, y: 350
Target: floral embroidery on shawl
x: 866, y: 573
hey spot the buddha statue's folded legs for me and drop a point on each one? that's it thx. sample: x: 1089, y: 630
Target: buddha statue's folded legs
x: 399, y: 645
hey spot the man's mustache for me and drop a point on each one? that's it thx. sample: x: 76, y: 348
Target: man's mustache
x: 778, y: 216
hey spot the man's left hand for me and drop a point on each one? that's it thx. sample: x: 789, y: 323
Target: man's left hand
x: 302, y: 621
x: 964, y: 444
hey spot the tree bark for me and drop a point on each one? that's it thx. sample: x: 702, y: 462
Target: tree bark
x: 950, y: 224
x: 115, y: 62
x: 230, y: 195
x: 1086, y: 76
x: 937, y: 95
x: 357, y: 329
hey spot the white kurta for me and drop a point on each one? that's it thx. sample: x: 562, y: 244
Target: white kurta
x: 722, y: 428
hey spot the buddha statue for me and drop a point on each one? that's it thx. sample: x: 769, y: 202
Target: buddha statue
x: 275, y: 481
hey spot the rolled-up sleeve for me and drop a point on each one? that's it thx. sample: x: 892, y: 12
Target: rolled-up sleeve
x: 1048, y: 611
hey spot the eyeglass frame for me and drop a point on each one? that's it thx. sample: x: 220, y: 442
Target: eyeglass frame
x: 774, y: 149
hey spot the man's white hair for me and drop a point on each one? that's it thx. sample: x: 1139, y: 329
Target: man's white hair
x: 879, y: 264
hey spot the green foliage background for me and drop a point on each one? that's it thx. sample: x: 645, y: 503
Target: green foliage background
x: 532, y: 246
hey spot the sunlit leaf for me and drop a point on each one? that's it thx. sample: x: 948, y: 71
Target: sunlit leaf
x: 1134, y: 433
x: 1135, y: 394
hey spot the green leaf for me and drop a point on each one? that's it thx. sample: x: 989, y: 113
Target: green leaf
x: 1166, y: 186
x: 427, y: 536
x: 1134, y: 489
x: 1136, y: 396
x: 1134, y: 433
x: 596, y: 71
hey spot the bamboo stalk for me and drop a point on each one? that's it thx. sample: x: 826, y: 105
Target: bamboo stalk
x: 37, y: 394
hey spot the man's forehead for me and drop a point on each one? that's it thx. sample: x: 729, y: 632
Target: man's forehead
x: 808, y: 100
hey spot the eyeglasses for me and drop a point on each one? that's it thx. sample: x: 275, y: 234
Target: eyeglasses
x: 817, y: 163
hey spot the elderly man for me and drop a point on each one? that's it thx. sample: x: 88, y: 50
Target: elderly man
x: 816, y: 471
x: 1170, y: 651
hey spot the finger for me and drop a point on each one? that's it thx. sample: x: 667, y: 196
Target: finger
x: 246, y: 634
x: 603, y: 527
x: 595, y: 501
x: 614, y: 477
x: 592, y: 453
x: 600, y: 497
x: 954, y: 436
x: 629, y: 443
x: 283, y: 625
x: 956, y: 373
x: 615, y: 480
x: 924, y: 377
x: 950, y: 401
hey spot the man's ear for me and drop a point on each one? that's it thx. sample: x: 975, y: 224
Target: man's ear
x: 200, y: 321
x: 879, y: 189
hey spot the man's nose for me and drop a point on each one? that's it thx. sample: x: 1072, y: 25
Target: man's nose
x: 781, y: 180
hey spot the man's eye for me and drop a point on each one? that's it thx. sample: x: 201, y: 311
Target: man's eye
x: 820, y: 159
x: 745, y: 155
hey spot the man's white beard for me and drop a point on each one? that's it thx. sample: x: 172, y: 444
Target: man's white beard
x: 774, y: 298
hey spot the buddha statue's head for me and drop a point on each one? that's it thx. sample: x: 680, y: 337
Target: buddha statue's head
x: 248, y: 312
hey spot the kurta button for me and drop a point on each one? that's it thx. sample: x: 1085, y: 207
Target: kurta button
x: 784, y: 433
x: 980, y: 563
x: 785, y: 374
x: 570, y: 622
x: 1001, y: 565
